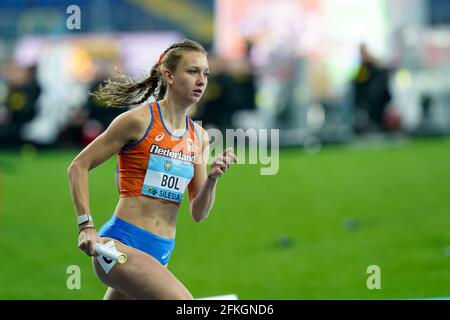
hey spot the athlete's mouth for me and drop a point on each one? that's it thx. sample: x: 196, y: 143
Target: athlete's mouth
x: 198, y: 91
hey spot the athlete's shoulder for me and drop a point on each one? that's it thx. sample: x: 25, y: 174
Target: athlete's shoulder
x: 132, y: 121
x: 136, y: 117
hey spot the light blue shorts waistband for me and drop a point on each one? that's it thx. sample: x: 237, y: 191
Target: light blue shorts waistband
x: 158, y: 247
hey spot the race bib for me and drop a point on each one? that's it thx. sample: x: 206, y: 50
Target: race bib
x: 167, y: 178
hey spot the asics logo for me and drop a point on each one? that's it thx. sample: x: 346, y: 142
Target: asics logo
x: 159, y: 137
x: 165, y: 255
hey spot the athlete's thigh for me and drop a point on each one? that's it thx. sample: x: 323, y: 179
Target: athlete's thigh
x: 114, y: 294
x: 141, y: 277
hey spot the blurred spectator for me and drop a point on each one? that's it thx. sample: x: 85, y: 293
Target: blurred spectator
x: 19, y: 105
x: 216, y: 107
x: 92, y: 119
x: 371, y: 93
x: 244, y: 80
x: 231, y: 87
x: 244, y: 89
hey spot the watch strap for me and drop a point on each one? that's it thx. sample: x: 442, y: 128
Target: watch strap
x: 84, y: 218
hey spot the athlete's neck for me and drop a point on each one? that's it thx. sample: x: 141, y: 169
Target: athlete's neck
x: 174, y: 115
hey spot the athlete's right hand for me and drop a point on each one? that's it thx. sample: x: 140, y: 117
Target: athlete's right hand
x: 87, y: 240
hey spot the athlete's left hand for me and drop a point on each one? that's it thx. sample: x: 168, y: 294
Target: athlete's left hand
x: 221, y: 164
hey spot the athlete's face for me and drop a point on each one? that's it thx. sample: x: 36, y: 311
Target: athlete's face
x: 191, y: 76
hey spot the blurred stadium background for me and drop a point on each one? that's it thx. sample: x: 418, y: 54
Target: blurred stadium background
x: 360, y: 91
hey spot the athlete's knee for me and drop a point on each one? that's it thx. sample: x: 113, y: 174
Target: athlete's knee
x: 187, y: 296
x: 113, y: 294
x: 183, y: 296
x: 180, y: 294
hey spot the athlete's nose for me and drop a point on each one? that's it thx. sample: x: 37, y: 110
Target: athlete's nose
x: 201, y: 80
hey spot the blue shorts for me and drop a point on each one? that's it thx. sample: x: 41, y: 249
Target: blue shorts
x: 133, y: 236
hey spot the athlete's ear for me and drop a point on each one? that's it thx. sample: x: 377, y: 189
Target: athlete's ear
x: 167, y: 75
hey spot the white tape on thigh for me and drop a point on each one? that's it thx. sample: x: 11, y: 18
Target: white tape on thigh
x: 106, y: 262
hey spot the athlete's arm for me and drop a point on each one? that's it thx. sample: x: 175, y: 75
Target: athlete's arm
x: 125, y: 128
x: 202, y: 188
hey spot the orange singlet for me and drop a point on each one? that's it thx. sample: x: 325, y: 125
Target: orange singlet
x: 160, y: 164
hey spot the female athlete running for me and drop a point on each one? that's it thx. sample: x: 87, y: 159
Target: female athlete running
x: 161, y: 153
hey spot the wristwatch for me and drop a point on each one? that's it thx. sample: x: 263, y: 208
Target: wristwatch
x: 84, y: 218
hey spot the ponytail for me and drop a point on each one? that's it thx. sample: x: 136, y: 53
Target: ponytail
x: 123, y: 91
